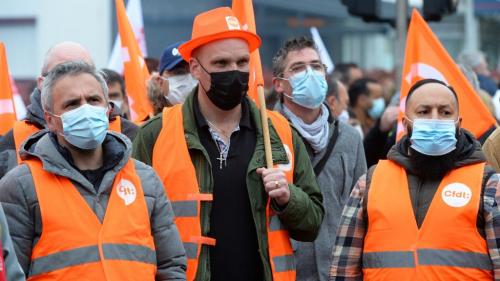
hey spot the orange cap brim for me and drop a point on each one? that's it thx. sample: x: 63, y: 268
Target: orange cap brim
x: 252, y: 39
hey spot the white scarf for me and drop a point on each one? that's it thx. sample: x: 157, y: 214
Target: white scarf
x: 315, y: 133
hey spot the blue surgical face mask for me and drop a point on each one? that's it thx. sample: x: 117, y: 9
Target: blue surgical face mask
x: 433, y: 137
x: 308, y: 88
x: 377, y: 109
x: 86, y: 126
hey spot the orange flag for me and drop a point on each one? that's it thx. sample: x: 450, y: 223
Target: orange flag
x: 7, y: 111
x: 425, y: 57
x: 243, y: 10
x: 135, y: 70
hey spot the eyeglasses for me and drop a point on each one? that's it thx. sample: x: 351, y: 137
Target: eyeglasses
x: 299, y: 67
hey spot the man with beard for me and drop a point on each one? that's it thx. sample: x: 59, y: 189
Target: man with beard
x: 429, y: 212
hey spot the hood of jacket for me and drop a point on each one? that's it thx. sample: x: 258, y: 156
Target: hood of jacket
x: 40, y: 146
x: 35, y: 111
x: 468, y: 151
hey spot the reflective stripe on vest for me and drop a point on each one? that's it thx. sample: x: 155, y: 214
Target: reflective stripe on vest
x: 447, y: 245
x: 90, y: 254
x: 280, y: 249
x: 116, y: 249
x: 21, y: 131
x: 426, y: 257
x: 172, y: 162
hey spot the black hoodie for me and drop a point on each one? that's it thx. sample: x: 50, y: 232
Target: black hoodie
x: 422, y: 192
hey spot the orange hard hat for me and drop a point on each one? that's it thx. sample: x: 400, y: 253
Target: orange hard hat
x: 216, y: 24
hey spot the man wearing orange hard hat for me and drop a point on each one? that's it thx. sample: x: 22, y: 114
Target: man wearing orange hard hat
x: 235, y: 217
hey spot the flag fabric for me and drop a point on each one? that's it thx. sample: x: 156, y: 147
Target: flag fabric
x: 323, y: 52
x: 134, y: 13
x: 243, y: 10
x: 425, y: 57
x: 7, y: 111
x: 135, y: 70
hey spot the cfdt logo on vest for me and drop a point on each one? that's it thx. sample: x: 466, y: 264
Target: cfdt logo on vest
x: 456, y: 195
x: 126, y: 191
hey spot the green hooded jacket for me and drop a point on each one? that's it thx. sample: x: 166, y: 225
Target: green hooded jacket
x: 303, y: 214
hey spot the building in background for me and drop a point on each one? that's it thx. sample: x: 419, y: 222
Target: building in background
x: 29, y: 27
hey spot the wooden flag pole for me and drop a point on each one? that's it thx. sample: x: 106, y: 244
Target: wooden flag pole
x: 265, y: 126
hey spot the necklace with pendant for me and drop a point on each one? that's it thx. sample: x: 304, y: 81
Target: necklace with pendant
x: 222, y: 152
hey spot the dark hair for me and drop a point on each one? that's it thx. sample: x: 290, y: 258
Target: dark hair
x: 428, y: 81
x: 151, y: 64
x: 293, y: 44
x: 358, y: 88
x: 112, y: 76
x: 342, y: 72
x: 333, y: 88
x: 182, y: 67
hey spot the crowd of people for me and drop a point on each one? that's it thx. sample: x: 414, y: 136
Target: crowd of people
x: 186, y: 195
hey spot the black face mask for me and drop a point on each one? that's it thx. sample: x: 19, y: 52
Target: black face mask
x: 227, y: 88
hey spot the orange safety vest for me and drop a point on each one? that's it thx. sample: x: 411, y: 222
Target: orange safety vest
x: 23, y: 129
x: 115, y: 125
x: 75, y: 245
x: 172, y: 162
x: 447, y: 246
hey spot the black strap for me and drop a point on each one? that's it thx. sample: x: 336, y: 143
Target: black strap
x: 331, y: 144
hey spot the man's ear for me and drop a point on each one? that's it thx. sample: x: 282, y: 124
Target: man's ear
x: 278, y: 85
x: 39, y: 82
x: 405, y: 123
x: 194, y: 68
x: 332, y: 101
x: 459, y: 125
x: 49, y: 119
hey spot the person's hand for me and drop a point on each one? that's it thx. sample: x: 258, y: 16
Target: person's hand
x: 389, y: 118
x: 275, y: 184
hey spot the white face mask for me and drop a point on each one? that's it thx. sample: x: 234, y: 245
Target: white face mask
x: 117, y: 103
x: 179, y: 87
x: 343, y: 116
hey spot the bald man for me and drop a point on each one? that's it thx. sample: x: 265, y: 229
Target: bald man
x: 12, y: 140
x: 429, y: 212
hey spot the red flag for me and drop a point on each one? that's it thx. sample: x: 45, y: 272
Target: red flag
x: 136, y: 73
x: 243, y: 10
x: 7, y: 111
x: 425, y: 57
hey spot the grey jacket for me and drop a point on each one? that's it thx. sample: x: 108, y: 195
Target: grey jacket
x: 19, y: 199
x: 343, y: 168
x: 35, y: 115
x: 13, y: 270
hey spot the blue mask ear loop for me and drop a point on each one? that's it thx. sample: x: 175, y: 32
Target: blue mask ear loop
x: 288, y: 79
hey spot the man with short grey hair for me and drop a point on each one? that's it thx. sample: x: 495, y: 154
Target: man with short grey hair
x: 78, y: 181
x: 12, y: 140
